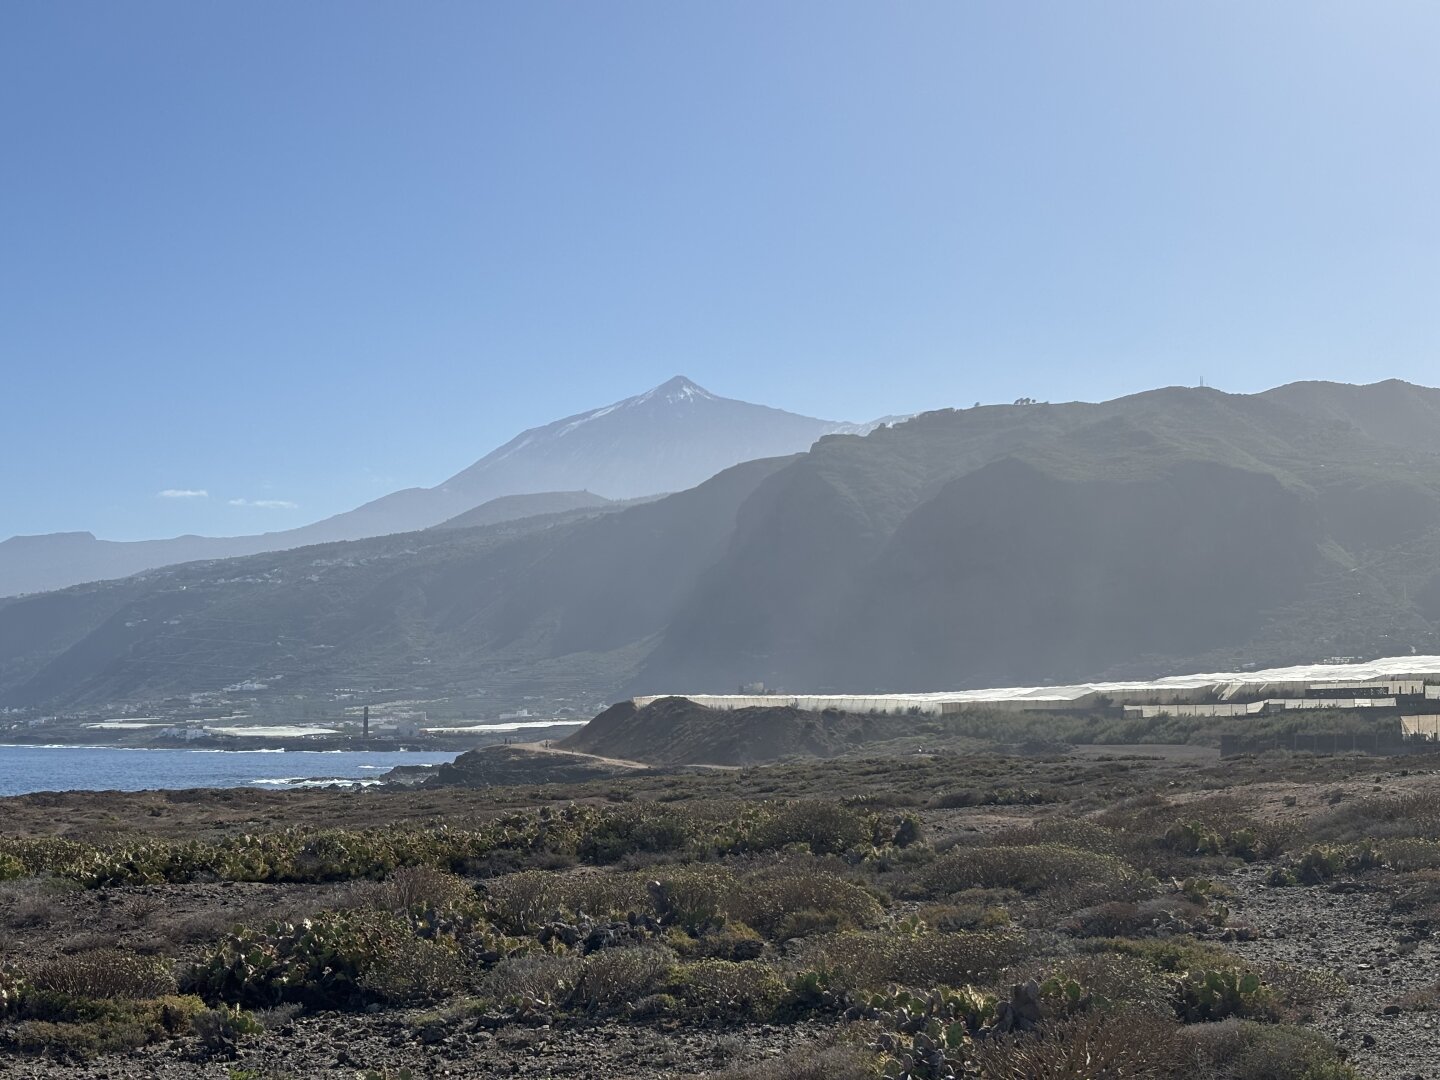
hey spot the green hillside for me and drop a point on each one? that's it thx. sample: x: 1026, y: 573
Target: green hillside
x: 1181, y: 528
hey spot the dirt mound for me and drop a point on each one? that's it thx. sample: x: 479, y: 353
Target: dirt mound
x: 676, y: 731
x: 502, y: 765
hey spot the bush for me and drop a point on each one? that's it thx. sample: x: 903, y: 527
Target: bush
x: 1027, y: 870
x: 1092, y: 1044
x: 825, y: 1063
x: 823, y: 828
x: 615, y: 977
x: 72, y: 1029
x: 12, y: 989
x: 220, y: 1030
x: 1075, y: 833
x: 1414, y: 814
x: 1244, y: 1050
x: 733, y: 941
x: 875, y: 959
x: 1322, y: 863
x: 694, y: 896
x: 338, y: 959
x: 412, y: 887
x: 1124, y: 981
x: 540, y: 978
x: 103, y: 973
x: 780, y: 903
x: 1173, y: 955
x: 1407, y: 855
x: 422, y: 971
x: 720, y: 989
x: 640, y: 828
x: 954, y: 917
x: 523, y: 902
x: 1217, y: 995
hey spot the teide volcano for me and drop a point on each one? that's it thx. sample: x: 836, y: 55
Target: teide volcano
x: 666, y: 439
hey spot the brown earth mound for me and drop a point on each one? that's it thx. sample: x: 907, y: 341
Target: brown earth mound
x: 492, y: 765
x: 676, y: 731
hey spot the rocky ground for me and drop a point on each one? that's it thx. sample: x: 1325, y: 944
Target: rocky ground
x: 1348, y: 929
x: 331, y: 1045
x: 997, y: 823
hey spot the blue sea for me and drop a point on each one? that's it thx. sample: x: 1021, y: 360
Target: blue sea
x: 24, y: 769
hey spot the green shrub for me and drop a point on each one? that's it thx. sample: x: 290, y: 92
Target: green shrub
x: 877, y: 958
x: 953, y: 917
x: 1026, y: 869
x: 220, y: 1030
x: 12, y: 989
x: 536, y: 980
x: 1406, y: 855
x: 338, y: 959
x: 640, y: 828
x: 1199, y: 838
x: 770, y: 902
x: 694, y: 896
x: 1125, y: 981
x: 1217, y: 995
x: 811, y: 1063
x: 1245, y: 1050
x: 1323, y: 863
x: 821, y: 827
x: 1069, y: 832
x: 1173, y: 955
x: 420, y: 971
x: 720, y: 989
x: 612, y: 978
x: 525, y: 901
x: 103, y: 973
x: 74, y: 1029
x: 1091, y: 1044
x: 732, y: 941
x: 418, y: 888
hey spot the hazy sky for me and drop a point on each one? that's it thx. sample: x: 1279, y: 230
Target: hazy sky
x: 305, y: 253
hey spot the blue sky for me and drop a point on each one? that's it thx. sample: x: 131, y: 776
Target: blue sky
x: 303, y: 254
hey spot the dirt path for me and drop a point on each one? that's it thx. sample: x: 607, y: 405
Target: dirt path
x: 619, y: 763
x: 1352, y: 934
x: 542, y: 748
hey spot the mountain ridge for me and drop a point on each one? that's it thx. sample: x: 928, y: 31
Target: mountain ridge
x: 668, y: 438
x: 1176, y: 530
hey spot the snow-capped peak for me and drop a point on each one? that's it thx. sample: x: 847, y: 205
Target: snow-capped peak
x: 677, y: 390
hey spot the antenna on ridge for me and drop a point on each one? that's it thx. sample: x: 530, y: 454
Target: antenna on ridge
x: 1202, y: 382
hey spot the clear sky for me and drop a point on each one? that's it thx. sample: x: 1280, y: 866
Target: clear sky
x: 301, y: 254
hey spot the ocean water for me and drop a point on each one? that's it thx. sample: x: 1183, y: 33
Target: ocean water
x: 24, y: 769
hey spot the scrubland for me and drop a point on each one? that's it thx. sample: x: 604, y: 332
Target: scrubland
x: 922, y: 915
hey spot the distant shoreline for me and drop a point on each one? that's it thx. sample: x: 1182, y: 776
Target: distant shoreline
x: 456, y: 742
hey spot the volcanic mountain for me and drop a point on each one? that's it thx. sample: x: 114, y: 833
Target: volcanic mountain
x: 666, y: 439
x: 1173, y: 531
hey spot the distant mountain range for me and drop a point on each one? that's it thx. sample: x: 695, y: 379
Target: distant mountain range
x: 667, y: 439
x: 1176, y: 530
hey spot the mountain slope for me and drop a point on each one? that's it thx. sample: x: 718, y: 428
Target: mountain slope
x: 667, y: 439
x: 514, y: 507
x: 505, y: 607
x: 1393, y: 412
x: 1175, y: 530
x: 892, y: 562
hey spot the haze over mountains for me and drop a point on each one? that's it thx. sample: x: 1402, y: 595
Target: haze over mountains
x: 667, y: 439
x: 1180, y: 529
